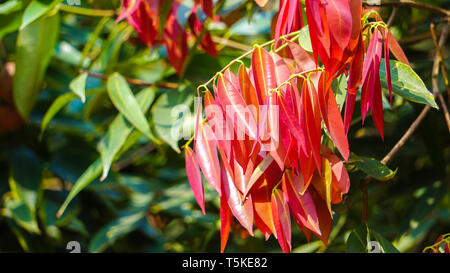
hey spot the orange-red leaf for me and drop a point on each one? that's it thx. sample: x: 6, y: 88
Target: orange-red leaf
x: 282, y: 219
x: 194, y: 177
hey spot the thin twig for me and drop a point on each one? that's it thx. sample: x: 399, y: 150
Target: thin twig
x: 438, y: 61
x: 439, y: 56
x: 406, y: 136
x: 166, y: 85
x: 87, y: 11
x: 230, y: 43
x: 409, y: 3
x: 247, y: 54
x: 422, y: 115
x: 392, y: 17
x: 120, y: 165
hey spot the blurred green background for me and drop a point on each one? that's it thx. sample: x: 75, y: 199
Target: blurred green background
x: 146, y: 204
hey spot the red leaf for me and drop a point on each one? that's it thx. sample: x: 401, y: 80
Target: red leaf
x: 194, y: 177
x: 282, y: 220
x: 234, y: 106
x: 303, y: 60
x: 175, y: 40
x: 313, y: 121
x: 341, y: 180
x: 206, y: 151
x: 396, y: 49
x: 225, y: 222
x: 206, y: 43
x: 264, y: 75
x: 261, y: 197
x: 331, y: 116
x: 300, y: 201
x: 325, y: 219
x: 207, y: 6
x: 242, y: 212
x: 340, y: 19
x: 377, y: 108
x: 130, y: 7
x: 248, y: 92
x: 388, y: 65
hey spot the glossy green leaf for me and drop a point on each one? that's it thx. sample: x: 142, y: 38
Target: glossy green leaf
x: 124, y: 100
x: 120, y: 129
x: 78, y: 86
x: 358, y: 239
x: 92, y: 172
x: 384, y: 243
x: 171, y: 114
x: 406, y: 83
x: 373, y: 167
x: 59, y: 103
x: 34, y: 49
x: 36, y: 9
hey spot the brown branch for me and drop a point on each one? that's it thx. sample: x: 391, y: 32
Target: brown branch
x: 166, y: 85
x: 412, y: 4
x: 406, y: 136
x: 424, y: 112
x: 230, y: 43
x: 119, y: 165
x: 439, y: 57
x: 392, y: 17
x: 438, y: 61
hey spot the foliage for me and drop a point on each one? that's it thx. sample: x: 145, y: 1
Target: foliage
x: 94, y: 101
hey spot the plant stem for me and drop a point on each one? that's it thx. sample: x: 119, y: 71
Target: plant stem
x: 409, y: 3
x: 166, y: 85
x: 88, y: 12
x: 247, y: 54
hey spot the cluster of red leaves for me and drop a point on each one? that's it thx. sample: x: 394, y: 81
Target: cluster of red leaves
x: 297, y: 176
x: 145, y: 17
x: 346, y: 44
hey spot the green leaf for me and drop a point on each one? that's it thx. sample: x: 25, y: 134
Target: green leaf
x: 120, y: 129
x: 406, y: 83
x: 78, y: 86
x: 123, y: 99
x: 34, y: 49
x: 170, y: 114
x: 9, y: 23
x: 36, y: 9
x: 25, y: 177
x: 130, y: 218
x: 58, y: 104
x: 10, y: 6
x: 358, y: 239
x: 373, y: 167
x: 92, y: 172
x: 385, y: 244
x: 124, y: 224
x: 339, y: 86
x: 304, y: 39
